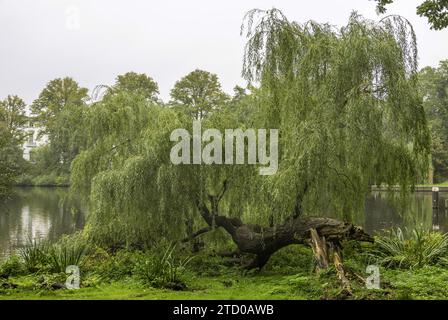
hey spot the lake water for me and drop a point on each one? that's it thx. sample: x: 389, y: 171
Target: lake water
x: 381, y: 212
x: 49, y: 213
x: 38, y: 213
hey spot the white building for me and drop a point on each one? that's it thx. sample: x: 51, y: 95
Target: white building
x: 34, y: 139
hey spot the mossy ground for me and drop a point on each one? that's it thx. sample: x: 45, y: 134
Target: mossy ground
x: 289, y: 275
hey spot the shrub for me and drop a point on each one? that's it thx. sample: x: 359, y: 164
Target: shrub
x: 413, y: 249
x: 117, y: 266
x: 24, y: 180
x: 290, y: 259
x: 11, y: 267
x: 164, y: 269
x: 34, y: 255
x: 62, y: 181
x: 45, y: 180
x: 68, y: 251
x: 50, y: 281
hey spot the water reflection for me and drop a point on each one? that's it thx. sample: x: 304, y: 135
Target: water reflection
x: 38, y: 213
x: 48, y: 213
x: 383, y: 210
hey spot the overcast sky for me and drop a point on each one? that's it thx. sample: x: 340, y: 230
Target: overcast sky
x: 42, y: 39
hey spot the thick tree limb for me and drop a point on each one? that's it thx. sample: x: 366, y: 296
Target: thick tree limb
x: 263, y: 242
x: 197, y: 234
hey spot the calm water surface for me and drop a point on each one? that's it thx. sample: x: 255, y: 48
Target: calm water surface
x: 49, y: 213
x: 38, y: 213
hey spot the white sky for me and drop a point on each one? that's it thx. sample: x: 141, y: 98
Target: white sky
x: 165, y: 39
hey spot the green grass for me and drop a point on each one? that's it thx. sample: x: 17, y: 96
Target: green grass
x: 259, y: 287
x: 441, y: 184
x: 425, y: 283
x: 288, y: 275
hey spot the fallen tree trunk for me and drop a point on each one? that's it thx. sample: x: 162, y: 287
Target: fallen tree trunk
x: 263, y: 242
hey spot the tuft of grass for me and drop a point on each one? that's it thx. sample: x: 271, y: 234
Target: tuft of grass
x: 411, y: 249
x: 34, y: 255
x: 164, y: 269
x: 66, y: 253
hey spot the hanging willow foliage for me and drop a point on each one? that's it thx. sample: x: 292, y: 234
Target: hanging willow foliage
x: 347, y: 109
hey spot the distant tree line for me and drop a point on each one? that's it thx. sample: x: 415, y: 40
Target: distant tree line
x: 63, y: 109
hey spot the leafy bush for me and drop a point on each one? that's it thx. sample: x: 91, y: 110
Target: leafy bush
x: 164, y: 269
x: 51, y: 281
x: 68, y: 251
x: 13, y: 266
x: 63, y: 180
x: 45, y: 180
x: 34, y: 255
x: 290, y: 259
x: 413, y: 249
x: 210, y: 265
x: 117, y: 266
x: 24, y: 180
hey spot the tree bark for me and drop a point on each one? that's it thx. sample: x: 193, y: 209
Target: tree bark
x: 320, y: 250
x: 341, y: 273
x: 263, y: 242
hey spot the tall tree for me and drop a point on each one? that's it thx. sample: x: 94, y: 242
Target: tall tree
x: 348, y: 112
x: 436, y: 11
x: 135, y: 83
x: 8, y: 169
x: 59, y: 110
x: 13, y: 115
x: 12, y: 120
x: 58, y: 94
x: 434, y: 89
x: 198, y: 93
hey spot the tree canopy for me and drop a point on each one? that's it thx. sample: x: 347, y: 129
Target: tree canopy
x: 135, y: 83
x: 434, y: 89
x: 12, y: 120
x: 13, y: 115
x: 59, y: 112
x: 436, y: 11
x: 198, y: 94
x: 349, y: 115
x: 58, y: 94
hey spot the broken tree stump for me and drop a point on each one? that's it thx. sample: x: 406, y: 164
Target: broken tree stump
x: 320, y: 250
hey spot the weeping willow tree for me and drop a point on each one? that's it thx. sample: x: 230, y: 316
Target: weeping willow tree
x: 348, y: 113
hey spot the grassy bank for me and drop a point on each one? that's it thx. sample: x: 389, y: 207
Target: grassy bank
x: 428, y: 283
x: 44, y: 180
x: 162, y: 273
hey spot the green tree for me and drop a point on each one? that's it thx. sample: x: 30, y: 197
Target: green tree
x: 434, y: 89
x: 59, y: 110
x: 347, y: 108
x: 13, y: 115
x: 112, y: 128
x: 436, y: 11
x: 8, y: 170
x: 199, y: 93
x: 135, y: 83
x: 58, y: 94
x: 12, y: 120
